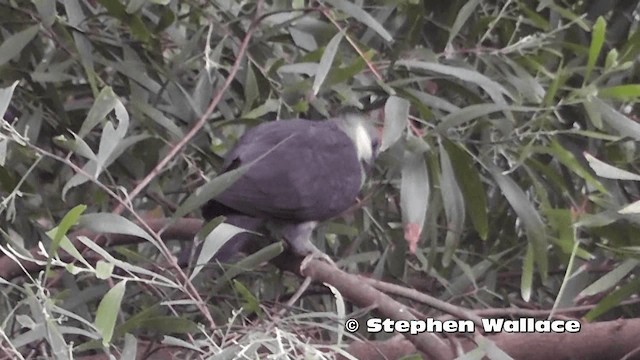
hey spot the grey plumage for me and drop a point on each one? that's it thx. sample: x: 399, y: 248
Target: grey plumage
x: 312, y: 172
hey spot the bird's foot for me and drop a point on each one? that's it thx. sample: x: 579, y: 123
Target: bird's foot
x: 315, y: 254
x: 298, y: 237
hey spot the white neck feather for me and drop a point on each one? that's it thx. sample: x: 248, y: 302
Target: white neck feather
x: 363, y: 143
x: 354, y: 126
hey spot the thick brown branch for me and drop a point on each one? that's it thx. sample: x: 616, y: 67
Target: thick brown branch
x: 364, y: 295
x: 596, y: 341
x: 182, y: 229
x: 605, y: 340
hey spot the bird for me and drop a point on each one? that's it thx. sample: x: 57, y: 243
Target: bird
x: 302, y: 172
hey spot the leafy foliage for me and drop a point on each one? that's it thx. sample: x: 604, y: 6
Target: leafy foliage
x: 510, y: 149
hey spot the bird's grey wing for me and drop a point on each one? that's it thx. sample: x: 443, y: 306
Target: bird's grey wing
x: 311, y: 172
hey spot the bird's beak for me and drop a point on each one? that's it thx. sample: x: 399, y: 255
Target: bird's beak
x: 377, y: 118
x: 376, y: 142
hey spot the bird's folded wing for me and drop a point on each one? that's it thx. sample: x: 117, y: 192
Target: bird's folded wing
x: 311, y: 172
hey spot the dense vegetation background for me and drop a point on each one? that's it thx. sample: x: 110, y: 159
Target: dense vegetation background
x: 507, y: 179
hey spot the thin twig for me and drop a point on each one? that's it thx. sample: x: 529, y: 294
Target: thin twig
x: 413, y: 294
x: 353, y: 44
x: 190, y: 289
x: 203, y: 119
x: 183, y: 279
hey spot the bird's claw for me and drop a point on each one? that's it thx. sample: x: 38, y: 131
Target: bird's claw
x: 317, y: 254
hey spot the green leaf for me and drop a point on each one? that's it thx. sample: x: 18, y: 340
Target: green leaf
x: 130, y: 349
x: 155, y: 278
x: 108, y: 310
x: 612, y: 60
x: 343, y: 75
x: 463, y: 16
x: 612, y: 300
x: 134, y: 5
x: 453, y: 206
x: 69, y: 247
x: 104, y: 269
x: 69, y: 219
x: 78, y: 145
x: 526, y: 280
x: 102, y: 106
x: 490, y: 86
x: 530, y: 218
x: 598, y: 220
x: 468, y: 178
x: 169, y: 325
x: 90, y: 170
x: 569, y: 15
x: 251, y: 262
x: 534, y: 17
x: 269, y: 106
x: 251, y: 303
x: 303, y: 39
x: 432, y: 101
x: 47, y: 11
x: 476, y: 111
x: 607, y: 171
x: 622, y: 124
x: 251, y: 91
x: 3, y: 151
x: 210, y: 190
x: 495, y: 90
x: 396, y: 115
x: 460, y: 284
x: 133, y: 73
x: 594, y: 115
x: 134, y: 22
x: 305, y: 68
x: 13, y: 45
x: 611, y: 279
x: 629, y: 92
x: 561, y: 220
x: 569, y: 160
x: 359, y: 14
x: 167, y: 18
x: 597, y: 40
x: 159, y: 118
x: 113, y: 224
x: 213, y: 242
x: 108, y: 143
x: 558, y: 79
x: 521, y: 79
x: 414, y: 191
x: 5, y: 97
x: 633, y: 208
x: 631, y: 48
x: 340, y: 313
x: 326, y: 61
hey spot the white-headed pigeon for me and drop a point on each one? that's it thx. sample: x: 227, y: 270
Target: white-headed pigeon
x: 306, y: 172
